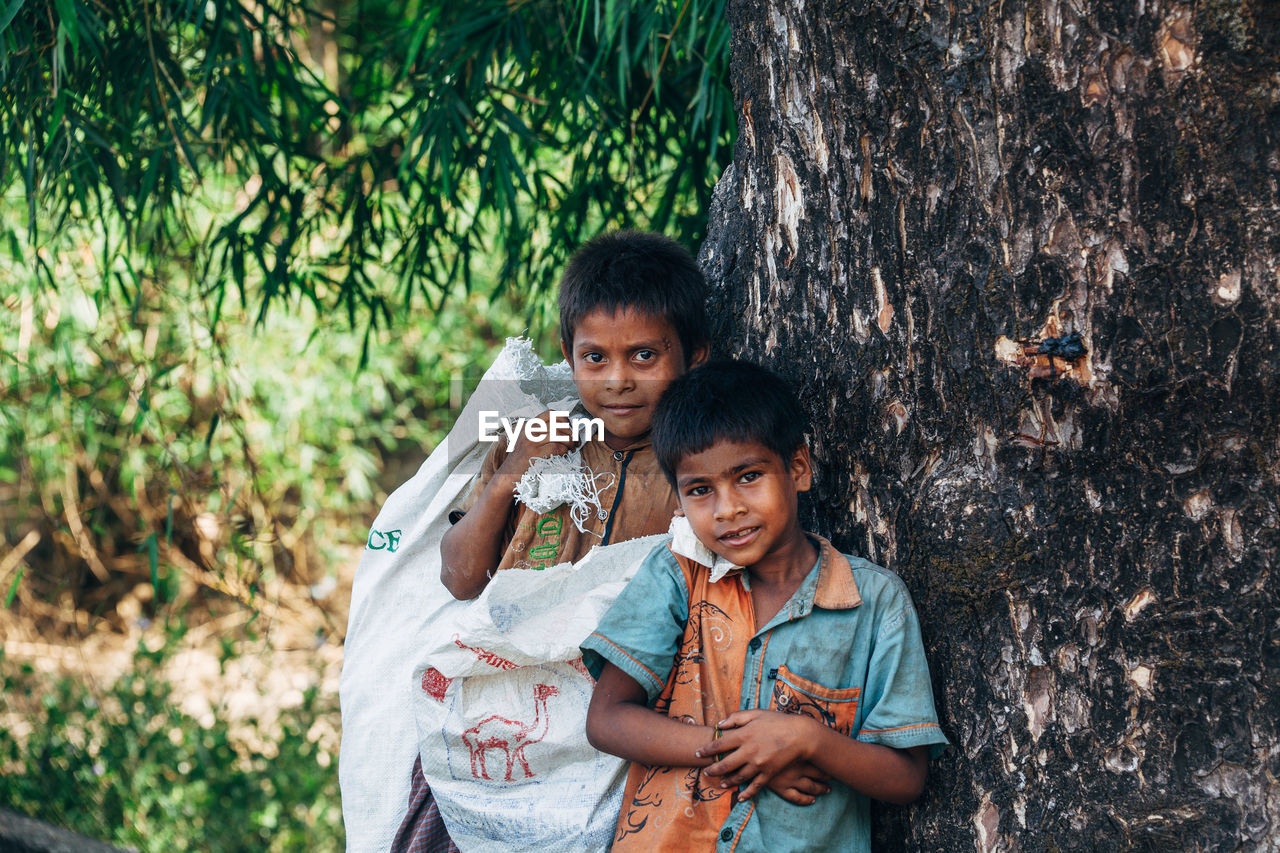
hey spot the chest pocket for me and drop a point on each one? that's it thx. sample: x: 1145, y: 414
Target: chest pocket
x: 836, y: 709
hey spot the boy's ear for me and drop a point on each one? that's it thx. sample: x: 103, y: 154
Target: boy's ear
x: 564, y: 349
x: 802, y: 468
x: 699, y: 355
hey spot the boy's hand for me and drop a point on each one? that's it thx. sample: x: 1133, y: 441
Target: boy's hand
x: 755, y: 746
x: 526, y: 450
x: 800, y: 783
x: 471, y: 549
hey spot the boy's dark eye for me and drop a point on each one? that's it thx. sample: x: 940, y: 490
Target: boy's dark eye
x: 751, y: 475
x: 646, y: 355
x: 696, y: 491
x: 592, y: 357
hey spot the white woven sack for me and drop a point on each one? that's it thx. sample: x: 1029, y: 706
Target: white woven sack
x: 397, y: 593
x: 501, y: 698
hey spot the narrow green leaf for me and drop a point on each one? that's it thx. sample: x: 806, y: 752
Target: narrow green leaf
x: 13, y: 587
x: 68, y: 22
x: 9, y: 13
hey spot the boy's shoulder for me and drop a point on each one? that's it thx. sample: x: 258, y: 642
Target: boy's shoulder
x: 885, y: 597
x: 874, y: 583
x: 681, y: 575
x: 874, y: 578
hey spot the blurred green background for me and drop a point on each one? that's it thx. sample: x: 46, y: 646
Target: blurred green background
x: 253, y: 253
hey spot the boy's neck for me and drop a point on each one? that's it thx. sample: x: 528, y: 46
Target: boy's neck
x: 614, y: 442
x: 788, y: 565
x: 775, y: 579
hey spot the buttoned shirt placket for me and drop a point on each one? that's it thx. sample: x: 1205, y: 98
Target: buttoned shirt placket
x: 755, y: 675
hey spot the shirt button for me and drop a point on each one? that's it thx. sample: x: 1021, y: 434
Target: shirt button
x: 617, y: 454
x: 755, y: 644
x: 726, y: 835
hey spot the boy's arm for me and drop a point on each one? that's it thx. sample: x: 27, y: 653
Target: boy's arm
x: 471, y: 549
x: 760, y: 743
x: 620, y: 723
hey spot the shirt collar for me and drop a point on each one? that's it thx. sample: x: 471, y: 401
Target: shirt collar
x: 834, y: 589
x: 828, y: 585
x: 837, y: 589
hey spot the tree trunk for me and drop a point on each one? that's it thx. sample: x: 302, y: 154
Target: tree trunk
x: 926, y: 205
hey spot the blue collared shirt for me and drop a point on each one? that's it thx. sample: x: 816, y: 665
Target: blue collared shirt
x: 846, y: 649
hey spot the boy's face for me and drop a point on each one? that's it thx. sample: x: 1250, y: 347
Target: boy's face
x: 740, y: 498
x: 622, y: 362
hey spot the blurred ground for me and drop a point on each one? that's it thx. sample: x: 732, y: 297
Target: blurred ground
x: 234, y: 664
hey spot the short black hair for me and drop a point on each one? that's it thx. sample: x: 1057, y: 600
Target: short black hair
x: 725, y: 400
x: 640, y: 270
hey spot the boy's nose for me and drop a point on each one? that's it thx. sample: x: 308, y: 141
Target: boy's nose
x: 728, y: 506
x: 619, y: 378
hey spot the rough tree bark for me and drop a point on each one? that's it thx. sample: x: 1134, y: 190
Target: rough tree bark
x: 922, y: 195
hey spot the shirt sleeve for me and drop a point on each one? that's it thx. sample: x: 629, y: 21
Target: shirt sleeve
x: 641, y: 632
x: 898, y: 696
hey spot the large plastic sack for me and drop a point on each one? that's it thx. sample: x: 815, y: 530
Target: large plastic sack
x: 397, y: 595
x: 501, y: 699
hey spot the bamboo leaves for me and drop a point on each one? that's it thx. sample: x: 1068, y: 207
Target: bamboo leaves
x: 360, y: 153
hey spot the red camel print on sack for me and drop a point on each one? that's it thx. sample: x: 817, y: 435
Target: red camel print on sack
x: 511, y: 736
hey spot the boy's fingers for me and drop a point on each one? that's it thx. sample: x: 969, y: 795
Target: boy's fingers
x: 723, y: 745
x: 797, y: 798
x: 738, y: 719
x: 548, y: 448
x: 811, y: 786
x: 754, y: 787
x: 732, y: 772
x: 723, y: 767
x: 749, y: 773
x: 545, y: 445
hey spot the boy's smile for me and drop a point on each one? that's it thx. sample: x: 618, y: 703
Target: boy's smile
x: 740, y: 498
x: 622, y: 362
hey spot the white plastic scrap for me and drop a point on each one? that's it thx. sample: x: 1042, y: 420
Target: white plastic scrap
x: 686, y: 544
x: 555, y: 480
x: 519, y: 362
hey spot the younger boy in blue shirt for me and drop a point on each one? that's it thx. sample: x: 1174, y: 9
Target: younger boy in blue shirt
x: 765, y: 688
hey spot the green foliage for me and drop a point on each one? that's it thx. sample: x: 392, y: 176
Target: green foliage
x: 281, y: 149
x: 129, y: 767
x: 200, y: 200
x: 145, y: 444
x: 170, y: 169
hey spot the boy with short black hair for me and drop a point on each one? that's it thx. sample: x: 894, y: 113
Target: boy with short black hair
x: 632, y: 319
x: 756, y: 657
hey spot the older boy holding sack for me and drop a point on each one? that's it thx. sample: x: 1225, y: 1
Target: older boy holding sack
x: 632, y: 319
x: 764, y: 685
